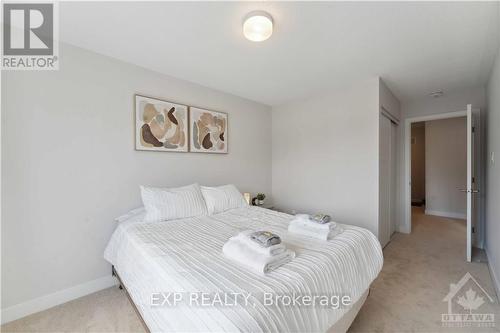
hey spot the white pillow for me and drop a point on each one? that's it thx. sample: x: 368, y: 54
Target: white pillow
x: 222, y: 198
x: 163, y: 204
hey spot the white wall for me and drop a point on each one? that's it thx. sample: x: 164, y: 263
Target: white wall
x: 446, y: 167
x: 69, y: 165
x: 325, y: 155
x: 493, y: 174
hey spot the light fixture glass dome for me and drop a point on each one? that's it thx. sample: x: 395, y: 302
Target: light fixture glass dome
x: 258, y: 26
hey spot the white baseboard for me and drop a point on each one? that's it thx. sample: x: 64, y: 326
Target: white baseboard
x: 446, y: 214
x: 493, y: 274
x: 45, y: 302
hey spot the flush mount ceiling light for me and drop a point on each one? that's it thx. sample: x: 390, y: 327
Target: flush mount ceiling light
x: 436, y: 94
x: 258, y: 26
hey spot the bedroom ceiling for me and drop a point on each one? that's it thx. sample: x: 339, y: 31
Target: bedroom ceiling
x: 416, y: 47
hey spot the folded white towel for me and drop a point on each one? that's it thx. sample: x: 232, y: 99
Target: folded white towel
x: 303, y: 220
x: 272, y: 250
x: 301, y: 228
x: 241, y: 253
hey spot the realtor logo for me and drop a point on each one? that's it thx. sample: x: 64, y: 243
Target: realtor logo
x: 30, y: 36
x: 464, y: 302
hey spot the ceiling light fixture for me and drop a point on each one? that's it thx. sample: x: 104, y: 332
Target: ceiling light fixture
x: 436, y: 94
x: 258, y: 26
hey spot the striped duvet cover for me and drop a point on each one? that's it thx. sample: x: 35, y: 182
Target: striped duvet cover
x: 169, y: 267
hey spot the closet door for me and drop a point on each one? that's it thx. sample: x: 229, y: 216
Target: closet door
x: 394, y: 177
x: 386, y: 187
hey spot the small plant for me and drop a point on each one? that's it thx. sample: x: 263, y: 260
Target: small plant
x: 261, y: 196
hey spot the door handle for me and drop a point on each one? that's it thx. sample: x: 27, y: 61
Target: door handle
x: 468, y: 191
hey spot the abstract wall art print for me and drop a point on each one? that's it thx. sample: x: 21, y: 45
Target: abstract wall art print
x: 160, y: 125
x: 208, y: 131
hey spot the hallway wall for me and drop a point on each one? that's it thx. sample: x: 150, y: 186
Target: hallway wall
x: 446, y: 167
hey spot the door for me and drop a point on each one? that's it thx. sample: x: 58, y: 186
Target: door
x: 471, y: 190
x: 394, y: 177
x: 387, y: 186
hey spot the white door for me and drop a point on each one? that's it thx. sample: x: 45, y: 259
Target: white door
x: 387, y: 169
x: 471, y: 184
x: 394, y: 177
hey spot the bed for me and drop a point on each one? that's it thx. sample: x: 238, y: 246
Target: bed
x: 184, y: 256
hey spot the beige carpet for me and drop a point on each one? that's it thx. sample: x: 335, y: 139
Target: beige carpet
x: 418, y: 269
x: 406, y: 297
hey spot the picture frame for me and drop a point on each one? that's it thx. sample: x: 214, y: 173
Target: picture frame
x: 208, y: 131
x: 161, y: 125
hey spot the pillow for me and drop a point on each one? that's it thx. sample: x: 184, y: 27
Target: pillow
x: 129, y: 214
x: 163, y: 204
x: 222, y: 198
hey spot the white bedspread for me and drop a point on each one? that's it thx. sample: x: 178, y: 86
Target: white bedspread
x: 186, y: 256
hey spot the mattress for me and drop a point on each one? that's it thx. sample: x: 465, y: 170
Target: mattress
x: 180, y: 259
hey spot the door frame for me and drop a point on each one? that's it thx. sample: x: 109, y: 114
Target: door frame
x: 407, y: 161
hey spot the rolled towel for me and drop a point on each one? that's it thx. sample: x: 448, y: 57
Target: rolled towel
x: 323, y: 234
x: 265, y: 238
x: 237, y: 251
x: 303, y: 220
x: 321, y: 218
x: 272, y: 250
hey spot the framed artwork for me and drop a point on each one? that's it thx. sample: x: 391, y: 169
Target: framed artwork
x: 160, y: 125
x: 208, y: 131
